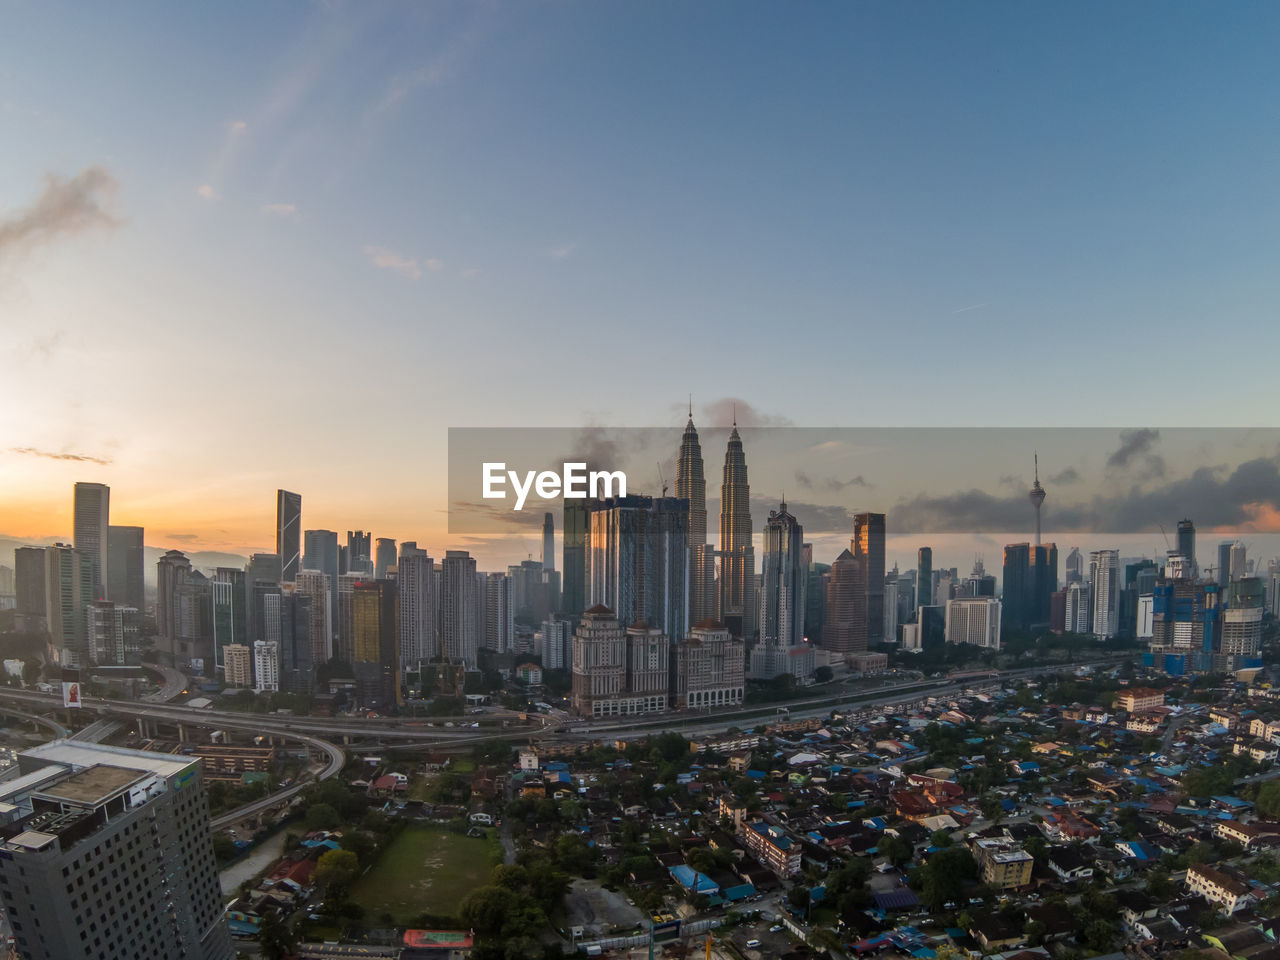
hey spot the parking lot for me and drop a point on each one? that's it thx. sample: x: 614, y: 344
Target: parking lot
x: 773, y: 943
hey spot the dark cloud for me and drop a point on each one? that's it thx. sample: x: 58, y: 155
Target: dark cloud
x: 50, y: 455
x: 832, y: 484
x: 1137, y: 447
x: 480, y: 517
x: 1065, y: 477
x: 1009, y: 480
x: 182, y: 537
x: 726, y: 409
x: 1214, y: 497
x: 65, y: 207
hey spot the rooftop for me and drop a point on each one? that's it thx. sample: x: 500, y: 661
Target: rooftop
x: 92, y: 785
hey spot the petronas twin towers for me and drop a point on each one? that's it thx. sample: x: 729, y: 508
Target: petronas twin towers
x: 731, y: 600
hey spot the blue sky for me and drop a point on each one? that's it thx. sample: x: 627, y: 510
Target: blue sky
x: 342, y: 228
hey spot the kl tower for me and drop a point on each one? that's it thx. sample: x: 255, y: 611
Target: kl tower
x: 1037, y: 497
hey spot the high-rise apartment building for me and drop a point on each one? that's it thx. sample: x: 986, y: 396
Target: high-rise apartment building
x: 316, y: 586
x: 288, y: 531
x: 112, y: 633
x: 737, y: 605
x: 974, y: 621
x: 266, y: 666
x: 125, y: 558
x: 69, y: 589
x: 416, y: 583
x: 1078, y: 608
x: 781, y: 597
x: 555, y: 650
x: 868, y: 545
x: 499, y: 614
x: 459, y: 629
x: 239, y: 665
x: 1104, y: 581
x: 574, y: 558
x: 322, y: 554
x: 30, y: 613
x: 109, y: 856
x: 92, y: 518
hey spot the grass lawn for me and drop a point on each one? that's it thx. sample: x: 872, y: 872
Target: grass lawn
x: 426, y: 869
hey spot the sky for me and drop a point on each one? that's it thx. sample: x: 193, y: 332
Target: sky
x: 249, y: 246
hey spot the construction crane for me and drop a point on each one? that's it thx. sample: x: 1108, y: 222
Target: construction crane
x: 661, y: 479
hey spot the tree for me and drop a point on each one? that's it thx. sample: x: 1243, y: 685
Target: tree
x: 337, y: 868
x: 897, y: 849
x: 823, y: 674
x: 321, y: 816
x: 275, y: 939
x: 944, y: 874
x: 940, y: 838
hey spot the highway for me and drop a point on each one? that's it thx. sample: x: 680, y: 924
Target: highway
x: 336, y: 760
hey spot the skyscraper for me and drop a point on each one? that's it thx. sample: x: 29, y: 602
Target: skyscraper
x: 415, y: 578
x: 1224, y: 563
x: 1187, y: 543
x: 868, y: 544
x: 782, y: 581
x: 574, y: 567
x: 1043, y: 581
x: 68, y: 587
x: 548, y: 541
x: 1016, y: 585
x: 229, y: 603
x: 172, y: 571
x: 459, y: 631
x: 1104, y: 579
x: 128, y: 831
x: 737, y: 608
x: 599, y: 664
x: 360, y: 552
x: 924, y: 576
x: 638, y: 560
x: 384, y: 557
x: 844, y: 628
x: 499, y: 614
x: 373, y: 643
x: 92, y: 517
x: 691, y: 485
x: 288, y: 531
x: 1237, y: 560
x: 125, y: 554
x: 322, y: 555
x: 316, y: 587
x: 29, y: 590
x: 1075, y: 566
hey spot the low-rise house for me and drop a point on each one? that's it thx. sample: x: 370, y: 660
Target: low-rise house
x: 1069, y: 864
x: 1229, y: 893
x: 1251, y: 836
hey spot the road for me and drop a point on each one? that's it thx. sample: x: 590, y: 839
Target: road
x: 336, y: 761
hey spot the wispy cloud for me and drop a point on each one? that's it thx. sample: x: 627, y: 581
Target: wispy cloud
x: 730, y: 409
x: 972, y: 306
x: 237, y: 127
x: 52, y: 455
x: 65, y: 207
x: 563, y: 251
x: 1067, y: 476
x: 832, y: 484
x: 279, y: 209
x: 385, y: 258
x: 206, y: 192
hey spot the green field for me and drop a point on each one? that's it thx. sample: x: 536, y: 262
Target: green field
x: 426, y: 870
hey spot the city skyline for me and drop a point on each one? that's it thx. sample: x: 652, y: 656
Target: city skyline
x: 369, y: 228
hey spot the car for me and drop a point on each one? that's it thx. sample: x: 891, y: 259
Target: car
x: 775, y: 928
x: 752, y: 944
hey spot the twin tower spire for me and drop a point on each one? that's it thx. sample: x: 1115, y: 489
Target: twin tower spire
x: 728, y: 600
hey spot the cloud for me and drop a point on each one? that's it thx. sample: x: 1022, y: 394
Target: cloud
x: 206, y: 192
x: 237, y: 127
x: 183, y: 537
x: 434, y: 264
x: 726, y: 409
x: 65, y: 207
x: 975, y: 306
x: 1009, y: 480
x: 50, y: 455
x: 386, y: 259
x: 1066, y: 477
x: 829, y: 483
x: 1243, y: 498
x: 1135, y: 446
x: 563, y: 251
x: 279, y: 209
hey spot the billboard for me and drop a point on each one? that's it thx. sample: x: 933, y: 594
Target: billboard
x: 70, y: 693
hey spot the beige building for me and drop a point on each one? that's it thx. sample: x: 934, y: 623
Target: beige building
x: 1217, y: 887
x: 710, y: 669
x: 1139, y: 699
x: 239, y: 665
x: 1004, y: 864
